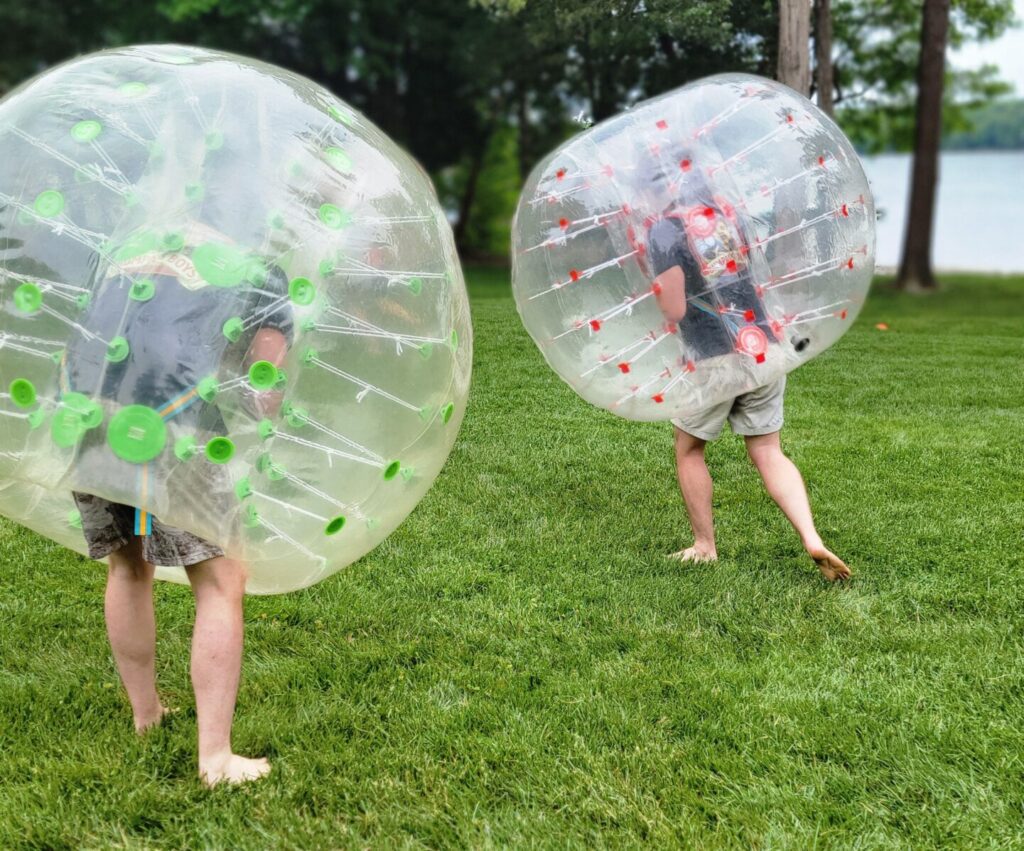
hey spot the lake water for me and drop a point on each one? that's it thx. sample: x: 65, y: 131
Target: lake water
x: 979, y: 222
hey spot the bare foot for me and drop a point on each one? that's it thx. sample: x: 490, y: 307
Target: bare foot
x: 695, y: 554
x: 831, y: 566
x: 144, y: 725
x: 232, y: 768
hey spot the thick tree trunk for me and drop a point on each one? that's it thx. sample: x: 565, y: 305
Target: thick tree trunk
x: 916, y: 265
x: 823, y: 55
x: 794, y: 45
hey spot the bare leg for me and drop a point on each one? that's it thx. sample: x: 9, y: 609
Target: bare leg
x: 131, y: 627
x: 219, y: 587
x: 786, y: 486
x: 695, y: 484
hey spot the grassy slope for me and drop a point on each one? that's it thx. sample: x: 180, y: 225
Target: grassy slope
x: 519, y: 664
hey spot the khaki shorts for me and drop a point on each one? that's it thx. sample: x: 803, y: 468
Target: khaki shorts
x: 750, y: 414
x: 108, y: 526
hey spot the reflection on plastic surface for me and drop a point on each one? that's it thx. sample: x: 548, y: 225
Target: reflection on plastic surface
x: 695, y: 247
x: 228, y: 300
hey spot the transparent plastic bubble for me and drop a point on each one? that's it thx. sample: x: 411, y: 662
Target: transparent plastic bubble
x: 228, y: 300
x: 693, y: 248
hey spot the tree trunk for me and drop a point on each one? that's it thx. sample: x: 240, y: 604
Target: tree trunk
x: 794, y: 45
x: 916, y: 265
x: 469, y: 192
x: 823, y: 55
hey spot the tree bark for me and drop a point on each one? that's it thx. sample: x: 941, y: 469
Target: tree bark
x: 794, y: 45
x: 915, y: 271
x: 823, y: 55
x: 469, y: 192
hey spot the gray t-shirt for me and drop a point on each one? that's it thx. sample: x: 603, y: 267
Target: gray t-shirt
x: 175, y: 338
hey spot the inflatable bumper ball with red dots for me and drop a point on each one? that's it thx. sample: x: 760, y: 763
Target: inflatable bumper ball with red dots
x: 696, y: 247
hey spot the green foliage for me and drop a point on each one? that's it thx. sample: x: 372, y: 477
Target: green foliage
x: 878, y: 43
x: 995, y: 125
x: 489, y: 233
x: 519, y: 665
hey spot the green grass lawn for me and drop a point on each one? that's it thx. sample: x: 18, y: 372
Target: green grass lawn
x: 520, y: 665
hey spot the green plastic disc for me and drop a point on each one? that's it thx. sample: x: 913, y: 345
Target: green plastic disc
x: 275, y: 220
x: 426, y: 350
x: 74, y: 519
x: 282, y: 379
x: 256, y: 272
x: 207, y: 388
x: 57, y: 356
x: 173, y: 241
x: 332, y: 216
x: 49, y: 203
x: 415, y: 285
x: 302, y: 291
x: 89, y: 411
x: 220, y: 264
x: 325, y: 268
x: 142, y: 290
x: 194, y: 192
x: 446, y: 412
x: 118, y: 350
x: 243, y: 488
x: 264, y: 462
x: 66, y: 427
x: 338, y: 158
x: 28, y: 298
x: 36, y: 418
x: 23, y: 392
x: 133, y: 89
x: 334, y: 526
x: 86, y: 131
x: 232, y: 329
x: 263, y: 375
x: 214, y: 140
x: 251, y: 517
x: 453, y: 340
x: 309, y: 356
x: 392, y: 470
x: 185, y: 448
x: 137, y: 434
x: 265, y: 429
x: 297, y: 417
x: 220, y: 450
x: 83, y: 300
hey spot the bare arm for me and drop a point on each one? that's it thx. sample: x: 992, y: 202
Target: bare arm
x: 268, y: 344
x: 670, y: 291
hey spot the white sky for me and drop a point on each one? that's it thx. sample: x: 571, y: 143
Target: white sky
x: 1007, y: 53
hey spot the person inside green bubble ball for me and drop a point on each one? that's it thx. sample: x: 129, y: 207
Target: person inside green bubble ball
x: 169, y: 310
x: 177, y: 333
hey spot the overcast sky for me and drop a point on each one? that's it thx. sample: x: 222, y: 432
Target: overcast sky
x: 1007, y: 53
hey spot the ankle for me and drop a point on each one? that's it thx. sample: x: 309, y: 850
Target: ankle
x: 705, y: 546
x: 812, y: 543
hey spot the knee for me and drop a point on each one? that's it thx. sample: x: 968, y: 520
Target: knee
x: 221, y: 577
x: 129, y: 565
x: 764, y: 454
x: 689, y: 449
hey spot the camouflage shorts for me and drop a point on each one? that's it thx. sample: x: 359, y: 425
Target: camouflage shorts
x: 108, y: 526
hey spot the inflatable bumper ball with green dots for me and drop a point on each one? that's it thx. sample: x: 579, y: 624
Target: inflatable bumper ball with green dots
x: 228, y: 300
